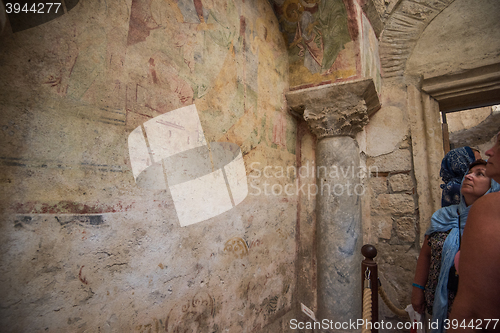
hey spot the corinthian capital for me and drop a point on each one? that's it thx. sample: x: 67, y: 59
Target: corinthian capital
x: 341, y: 109
x: 335, y: 121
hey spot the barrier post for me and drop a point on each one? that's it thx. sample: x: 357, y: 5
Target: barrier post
x: 370, y: 252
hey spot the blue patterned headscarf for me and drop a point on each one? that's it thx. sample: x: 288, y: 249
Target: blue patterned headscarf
x: 445, y: 219
x: 453, y: 168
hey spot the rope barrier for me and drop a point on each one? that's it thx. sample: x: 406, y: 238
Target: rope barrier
x: 369, y: 285
x: 371, y: 288
x: 367, y: 309
x: 397, y: 311
x: 367, y: 302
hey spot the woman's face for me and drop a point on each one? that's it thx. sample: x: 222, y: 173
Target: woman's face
x: 476, y: 183
x: 493, y: 166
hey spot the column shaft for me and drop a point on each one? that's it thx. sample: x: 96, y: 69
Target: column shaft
x: 338, y: 229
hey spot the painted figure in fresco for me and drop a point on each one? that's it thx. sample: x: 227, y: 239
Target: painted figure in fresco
x: 322, y: 30
x: 66, y: 52
x: 174, y: 29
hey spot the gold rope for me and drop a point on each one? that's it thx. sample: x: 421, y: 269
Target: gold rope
x: 400, y: 312
x: 367, y: 309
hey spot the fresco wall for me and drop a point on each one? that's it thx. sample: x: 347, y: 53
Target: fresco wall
x: 322, y: 39
x: 83, y: 247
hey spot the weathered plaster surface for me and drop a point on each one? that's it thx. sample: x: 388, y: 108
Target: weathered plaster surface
x: 306, y: 264
x: 389, y: 126
x: 385, y: 7
x: 405, y: 22
x: 322, y: 38
x: 462, y: 120
x: 474, y: 127
x: 83, y: 248
x: 441, y: 38
x: 370, y: 61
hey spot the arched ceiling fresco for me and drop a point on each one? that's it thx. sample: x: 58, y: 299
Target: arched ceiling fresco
x: 320, y: 37
x: 320, y: 27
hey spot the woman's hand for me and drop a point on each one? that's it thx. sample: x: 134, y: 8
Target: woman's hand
x: 417, y: 300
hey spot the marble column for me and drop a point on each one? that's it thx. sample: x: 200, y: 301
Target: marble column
x: 335, y: 113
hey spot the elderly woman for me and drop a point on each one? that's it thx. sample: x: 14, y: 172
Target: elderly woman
x: 453, y: 168
x: 478, y: 298
x: 442, y: 241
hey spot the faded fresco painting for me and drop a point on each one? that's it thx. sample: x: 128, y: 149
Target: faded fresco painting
x: 191, y: 53
x: 86, y: 248
x: 321, y: 37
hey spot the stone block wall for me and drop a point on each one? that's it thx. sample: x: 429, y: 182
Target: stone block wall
x: 394, y: 223
x: 391, y: 219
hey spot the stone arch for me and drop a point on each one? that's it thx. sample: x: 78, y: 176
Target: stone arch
x: 402, y: 31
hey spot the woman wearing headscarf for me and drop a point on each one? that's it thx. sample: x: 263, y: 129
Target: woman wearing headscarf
x: 478, y: 298
x: 453, y: 168
x: 441, y: 244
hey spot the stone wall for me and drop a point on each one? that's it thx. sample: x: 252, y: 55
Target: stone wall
x: 474, y: 127
x: 391, y: 222
x: 83, y: 247
x: 458, y: 121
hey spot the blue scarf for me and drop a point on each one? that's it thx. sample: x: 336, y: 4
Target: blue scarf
x: 453, y: 168
x: 445, y: 219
